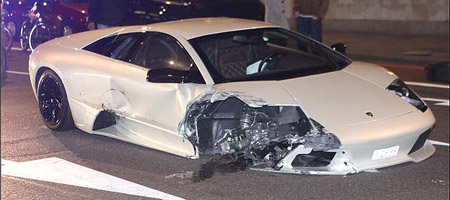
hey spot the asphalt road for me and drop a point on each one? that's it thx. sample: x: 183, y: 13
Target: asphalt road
x: 25, y: 138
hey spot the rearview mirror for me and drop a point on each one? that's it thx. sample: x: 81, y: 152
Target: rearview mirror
x: 339, y: 47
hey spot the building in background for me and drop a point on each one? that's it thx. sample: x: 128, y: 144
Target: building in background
x: 415, y: 17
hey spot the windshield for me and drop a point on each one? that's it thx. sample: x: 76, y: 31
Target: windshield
x: 265, y: 54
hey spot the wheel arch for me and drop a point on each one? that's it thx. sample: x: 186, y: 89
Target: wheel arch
x: 66, y: 118
x: 39, y: 73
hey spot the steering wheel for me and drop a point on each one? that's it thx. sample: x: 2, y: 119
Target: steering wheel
x: 269, y: 58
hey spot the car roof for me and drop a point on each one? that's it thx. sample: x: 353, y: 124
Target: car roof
x: 187, y: 28
x: 197, y: 27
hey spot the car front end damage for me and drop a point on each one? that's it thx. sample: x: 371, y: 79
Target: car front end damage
x: 282, y: 138
x: 223, y: 123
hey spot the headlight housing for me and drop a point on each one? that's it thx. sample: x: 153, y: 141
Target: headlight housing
x: 399, y: 88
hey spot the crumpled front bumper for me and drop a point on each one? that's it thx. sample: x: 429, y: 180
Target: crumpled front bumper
x: 371, y: 145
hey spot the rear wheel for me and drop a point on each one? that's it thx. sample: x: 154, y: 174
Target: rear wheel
x: 24, y: 35
x: 39, y: 34
x: 7, y: 38
x: 53, y: 102
x: 12, y: 27
x: 66, y: 29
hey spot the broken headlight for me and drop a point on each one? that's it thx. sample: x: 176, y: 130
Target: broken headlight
x: 399, y: 88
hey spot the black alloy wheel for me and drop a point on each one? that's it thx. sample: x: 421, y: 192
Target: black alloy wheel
x: 53, y: 102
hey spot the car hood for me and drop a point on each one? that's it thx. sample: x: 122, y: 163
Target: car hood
x: 333, y: 99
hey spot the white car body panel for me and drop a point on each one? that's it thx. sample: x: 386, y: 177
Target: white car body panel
x: 150, y: 114
x: 328, y: 99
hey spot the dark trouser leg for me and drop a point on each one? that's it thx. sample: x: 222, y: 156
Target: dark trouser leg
x: 304, y: 26
x: 316, y: 29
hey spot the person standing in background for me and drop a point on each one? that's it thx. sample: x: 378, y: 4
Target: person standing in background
x: 107, y: 13
x: 278, y: 12
x: 309, y: 15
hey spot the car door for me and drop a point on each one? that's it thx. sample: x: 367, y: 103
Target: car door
x: 172, y: 81
x: 146, y: 82
x: 154, y: 106
x: 124, y: 89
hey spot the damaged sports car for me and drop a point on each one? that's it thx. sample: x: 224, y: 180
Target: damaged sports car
x: 231, y: 87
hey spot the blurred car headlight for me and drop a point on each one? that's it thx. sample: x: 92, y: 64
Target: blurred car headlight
x: 399, y: 88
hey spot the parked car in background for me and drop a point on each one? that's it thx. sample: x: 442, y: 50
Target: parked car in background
x: 151, y: 11
x: 70, y: 16
x: 64, y: 16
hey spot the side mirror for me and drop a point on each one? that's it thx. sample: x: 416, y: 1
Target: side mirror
x: 166, y: 75
x: 339, y: 47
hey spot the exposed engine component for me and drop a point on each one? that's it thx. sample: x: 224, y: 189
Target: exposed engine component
x: 264, y: 135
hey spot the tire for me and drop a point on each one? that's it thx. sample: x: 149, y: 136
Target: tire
x: 53, y: 102
x: 24, y: 35
x: 13, y: 28
x: 39, y: 34
x: 66, y: 29
x: 7, y: 38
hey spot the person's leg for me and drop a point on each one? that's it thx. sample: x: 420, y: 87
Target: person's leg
x: 303, y: 26
x: 316, y: 29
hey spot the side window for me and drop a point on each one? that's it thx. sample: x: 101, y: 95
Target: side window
x: 120, y: 47
x: 99, y: 46
x: 162, y: 51
x: 167, y: 60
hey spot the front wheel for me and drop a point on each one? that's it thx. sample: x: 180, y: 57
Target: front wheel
x: 53, y: 102
x: 39, y: 34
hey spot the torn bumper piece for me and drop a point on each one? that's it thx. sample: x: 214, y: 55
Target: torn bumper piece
x: 332, y: 162
x: 271, y: 138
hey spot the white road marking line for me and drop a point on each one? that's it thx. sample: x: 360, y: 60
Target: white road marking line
x: 441, y: 102
x: 427, y: 85
x: 6, y: 162
x: 16, y: 72
x: 60, y: 171
x: 18, y: 49
x: 438, y: 143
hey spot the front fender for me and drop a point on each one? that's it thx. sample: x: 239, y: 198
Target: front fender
x: 372, y: 73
